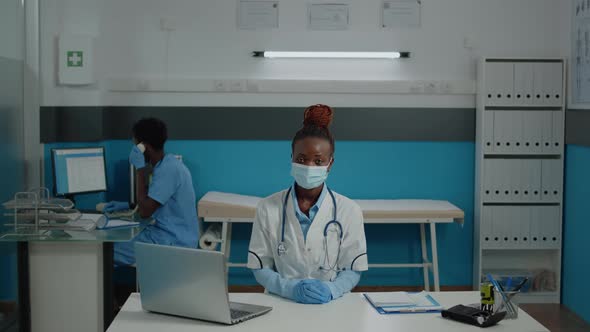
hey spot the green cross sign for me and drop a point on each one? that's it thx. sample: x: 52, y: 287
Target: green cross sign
x: 75, y: 58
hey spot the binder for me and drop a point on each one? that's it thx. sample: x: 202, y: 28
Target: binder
x: 538, y: 84
x: 557, y: 131
x: 501, y: 131
x: 547, y: 219
x: 527, y: 180
x: 533, y: 177
x: 505, y: 226
x: 525, y: 224
x: 507, y: 84
x: 520, y: 132
x: 495, y: 179
x: 499, y: 83
x: 515, y: 180
x: 528, y: 131
x: 555, y: 229
x: 554, y: 83
x: 486, y: 228
x: 535, y: 226
x: 491, y: 82
x: 517, y: 228
x: 546, y: 125
x: 515, y: 128
x: 488, y: 131
x: 502, y: 176
x: 496, y: 217
x: 535, y: 119
x: 487, y: 187
x: 523, y: 83
x: 552, y: 174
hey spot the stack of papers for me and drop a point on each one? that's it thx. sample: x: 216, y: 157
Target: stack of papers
x: 116, y: 223
x: 403, y: 302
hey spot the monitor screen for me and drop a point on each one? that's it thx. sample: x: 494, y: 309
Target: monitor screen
x: 79, y: 170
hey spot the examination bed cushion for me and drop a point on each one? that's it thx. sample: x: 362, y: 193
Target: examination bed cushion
x: 226, y: 205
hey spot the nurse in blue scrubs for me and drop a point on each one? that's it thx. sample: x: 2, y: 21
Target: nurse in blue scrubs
x: 169, y: 199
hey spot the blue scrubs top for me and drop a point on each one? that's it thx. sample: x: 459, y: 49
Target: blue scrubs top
x: 176, y: 218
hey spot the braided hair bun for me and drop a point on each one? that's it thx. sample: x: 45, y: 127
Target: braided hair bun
x: 316, y: 120
x: 318, y: 115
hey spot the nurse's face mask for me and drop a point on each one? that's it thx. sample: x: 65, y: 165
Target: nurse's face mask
x: 312, y: 160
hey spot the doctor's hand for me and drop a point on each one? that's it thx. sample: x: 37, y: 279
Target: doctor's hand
x: 136, y: 158
x: 115, y: 206
x: 312, y: 291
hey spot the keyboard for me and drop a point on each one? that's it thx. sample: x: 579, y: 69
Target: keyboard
x: 237, y: 314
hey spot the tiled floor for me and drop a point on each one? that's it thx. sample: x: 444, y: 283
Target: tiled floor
x: 556, y: 317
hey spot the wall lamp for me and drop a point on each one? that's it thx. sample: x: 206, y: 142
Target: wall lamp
x: 330, y: 55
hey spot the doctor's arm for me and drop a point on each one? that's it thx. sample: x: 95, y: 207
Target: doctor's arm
x: 274, y: 283
x: 354, y: 256
x: 345, y: 281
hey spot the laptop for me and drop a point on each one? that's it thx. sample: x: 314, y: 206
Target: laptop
x: 189, y: 283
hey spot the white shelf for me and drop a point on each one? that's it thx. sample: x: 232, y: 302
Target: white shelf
x: 520, y: 148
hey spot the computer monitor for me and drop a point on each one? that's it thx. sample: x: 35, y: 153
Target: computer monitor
x: 79, y: 170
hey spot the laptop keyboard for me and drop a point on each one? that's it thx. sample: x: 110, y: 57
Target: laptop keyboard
x: 236, y: 314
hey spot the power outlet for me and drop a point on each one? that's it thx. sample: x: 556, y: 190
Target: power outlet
x: 237, y: 85
x: 219, y: 86
x: 430, y: 87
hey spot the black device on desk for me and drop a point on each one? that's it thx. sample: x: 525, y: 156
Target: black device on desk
x: 473, y: 316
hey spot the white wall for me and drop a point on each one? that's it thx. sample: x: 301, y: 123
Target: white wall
x: 208, y: 45
x: 12, y: 32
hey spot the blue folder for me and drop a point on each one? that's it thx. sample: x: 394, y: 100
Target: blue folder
x: 405, y: 309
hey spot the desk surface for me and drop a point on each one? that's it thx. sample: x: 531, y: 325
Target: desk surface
x: 350, y: 313
x: 123, y: 234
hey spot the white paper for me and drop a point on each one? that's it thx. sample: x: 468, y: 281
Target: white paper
x: 332, y: 16
x: 581, y: 51
x: 113, y: 223
x: 400, y: 14
x: 390, y: 299
x: 258, y: 14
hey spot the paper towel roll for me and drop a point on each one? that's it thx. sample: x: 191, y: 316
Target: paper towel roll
x: 210, y: 239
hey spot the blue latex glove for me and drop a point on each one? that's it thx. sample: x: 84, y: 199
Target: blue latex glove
x: 312, y: 291
x: 136, y: 158
x: 116, y: 206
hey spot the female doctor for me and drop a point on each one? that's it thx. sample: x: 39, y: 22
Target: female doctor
x: 308, y: 242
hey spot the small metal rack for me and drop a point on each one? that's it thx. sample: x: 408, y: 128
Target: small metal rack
x: 35, y: 211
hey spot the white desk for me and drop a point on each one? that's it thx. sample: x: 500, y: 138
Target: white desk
x: 350, y: 313
x: 65, y: 277
x: 227, y: 208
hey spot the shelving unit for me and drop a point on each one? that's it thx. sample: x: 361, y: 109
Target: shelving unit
x: 519, y: 171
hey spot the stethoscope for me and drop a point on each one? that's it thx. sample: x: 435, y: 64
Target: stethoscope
x: 281, y: 249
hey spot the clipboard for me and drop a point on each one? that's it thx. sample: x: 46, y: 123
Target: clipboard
x: 105, y: 223
x: 407, y: 309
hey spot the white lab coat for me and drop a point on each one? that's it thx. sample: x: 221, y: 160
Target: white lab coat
x: 303, y: 259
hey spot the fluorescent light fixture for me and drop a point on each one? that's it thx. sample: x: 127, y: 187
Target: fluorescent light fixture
x: 330, y: 55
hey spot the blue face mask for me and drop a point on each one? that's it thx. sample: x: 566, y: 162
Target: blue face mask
x: 309, y: 177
